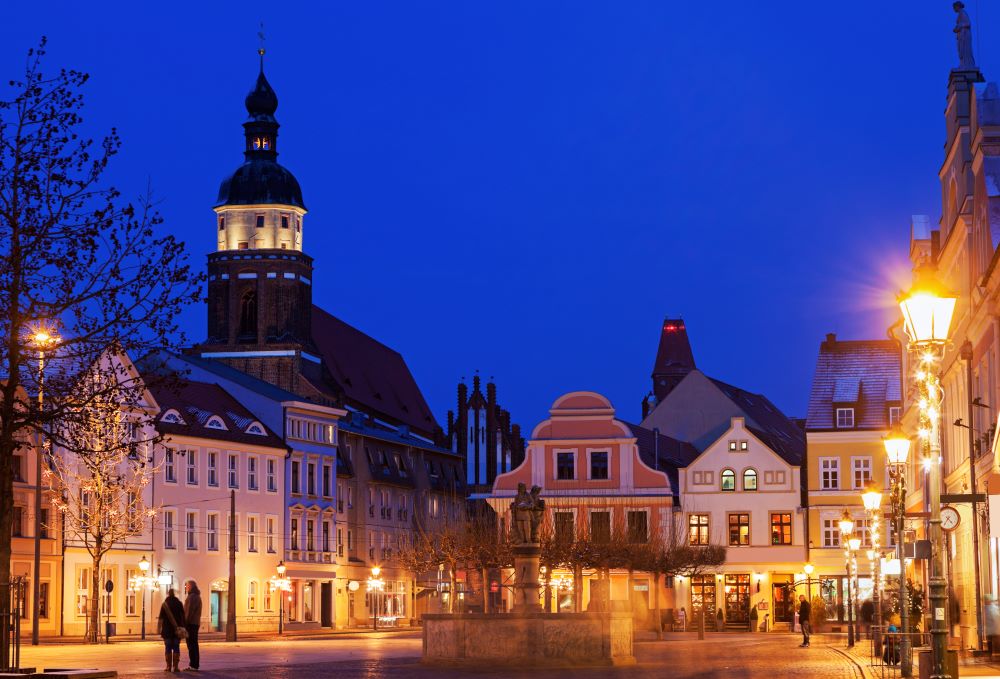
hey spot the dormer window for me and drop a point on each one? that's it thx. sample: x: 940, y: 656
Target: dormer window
x: 845, y: 418
x: 172, y: 417
x: 215, y: 422
x: 256, y: 429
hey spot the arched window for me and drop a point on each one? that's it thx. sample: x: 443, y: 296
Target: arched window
x: 750, y: 479
x: 248, y: 313
x: 728, y: 480
x: 215, y: 422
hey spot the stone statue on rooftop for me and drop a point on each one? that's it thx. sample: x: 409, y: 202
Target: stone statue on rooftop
x: 527, y: 510
x: 963, y: 33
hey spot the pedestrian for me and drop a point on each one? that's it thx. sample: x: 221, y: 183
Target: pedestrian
x: 804, y: 621
x: 890, y: 650
x: 992, y: 614
x: 719, y: 621
x: 682, y: 618
x: 192, y: 621
x: 171, y: 629
x: 867, y: 616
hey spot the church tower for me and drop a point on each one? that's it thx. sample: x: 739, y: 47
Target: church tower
x: 259, y: 279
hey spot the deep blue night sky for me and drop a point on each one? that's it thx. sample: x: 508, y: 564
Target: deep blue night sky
x: 528, y: 188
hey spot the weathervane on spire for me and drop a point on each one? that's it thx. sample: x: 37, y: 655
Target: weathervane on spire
x: 261, y: 50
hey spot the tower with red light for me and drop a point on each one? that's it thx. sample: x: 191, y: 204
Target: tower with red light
x: 674, y: 360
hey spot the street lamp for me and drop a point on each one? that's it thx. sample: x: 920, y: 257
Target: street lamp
x: 280, y: 584
x: 144, y: 580
x: 375, y: 585
x: 846, y: 524
x: 808, y: 570
x: 897, y: 450
x: 872, y: 498
x: 42, y: 339
x: 927, y: 311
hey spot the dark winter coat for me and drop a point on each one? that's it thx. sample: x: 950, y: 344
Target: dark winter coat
x: 192, y: 608
x: 804, y: 610
x: 167, y: 629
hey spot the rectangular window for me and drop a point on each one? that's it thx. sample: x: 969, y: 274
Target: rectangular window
x: 191, y: 530
x: 845, y: 418
x: 168, y: 530
x: 252, y: 595
x: 251, y: 533
x: 327, y: 480
x: 565, y: 531
x: 272, y: 477
x: 638, y: 528
x: 894, y: 415
x: 326, y: 536
x: 234, y: 471
x: 310, y: 545
x: 295, y: 477
x: 284, y: 221
x: 222, y: 223
x: 829, y: 473
x: 862, y: 470
x: 260, y: 221
x: 340, y: 542
x: 270, y: 535
x: 599, y: 465
x: 862, y: 529
x: 698, y: 529
x: 169, y: 471
x: 600, y: 527
x: 213, y: 532
x: 831, y: 533
x: 564, y: 466
x: 781, y: 528
x: 213, y: 469
x: 251, y: 473
x: 739, y: 530
x: 17, y: 528
x: 107, y: 598
x: 43, y: 600
x: 311, y: 478
x: 43, y: 528
x: 293, y: 540
x: 192, y: 467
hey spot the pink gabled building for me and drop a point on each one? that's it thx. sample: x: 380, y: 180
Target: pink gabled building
x: 599, y: 474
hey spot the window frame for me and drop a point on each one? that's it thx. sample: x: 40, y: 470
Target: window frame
x: 727, y: 473
x: 756, y: 480
x: 742, y: 536
x: 590, y: 465
x: 559, y: 467
x: 782, y: 525
x: 845, y: 411
x: 700, y: 524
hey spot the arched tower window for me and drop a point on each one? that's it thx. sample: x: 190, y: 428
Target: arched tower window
x: 248, y: 313
x: 728, y: 480
x: 750, y: 479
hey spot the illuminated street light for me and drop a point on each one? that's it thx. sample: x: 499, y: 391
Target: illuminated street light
x: 375, y: 586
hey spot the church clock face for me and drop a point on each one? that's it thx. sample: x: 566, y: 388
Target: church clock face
x: 949, y: 518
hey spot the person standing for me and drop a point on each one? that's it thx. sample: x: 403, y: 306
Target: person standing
x: 170, y: 623
x: 192, y: 621
x: 868, y: 616
x: 804, y: 621
x: 682, y: 619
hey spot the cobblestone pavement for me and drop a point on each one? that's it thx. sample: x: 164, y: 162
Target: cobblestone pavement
x: 733, y: 656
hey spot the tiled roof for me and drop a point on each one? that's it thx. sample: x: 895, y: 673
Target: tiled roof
x: 673, y: 454
x: 770, y: 425
x: 864, y: 374
x: 371, y: 375
x: 196, y: 403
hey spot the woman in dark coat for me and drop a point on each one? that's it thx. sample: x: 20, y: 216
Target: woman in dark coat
x: 171, y: 616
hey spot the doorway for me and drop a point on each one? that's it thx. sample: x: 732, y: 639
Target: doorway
x: 215, y: 605
x: 326, y: 604
x: 784, y: 604
x: 737, y: 598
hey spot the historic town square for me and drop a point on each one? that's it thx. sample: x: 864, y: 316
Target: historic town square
x: 519, y: 339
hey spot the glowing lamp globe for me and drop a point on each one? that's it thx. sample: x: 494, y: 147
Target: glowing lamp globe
x: 376, y: 571
x: 281, y: 568
x: 808, y: 569
x: 846, y: 523
x: 854, y: 543
x: 872, y: 498
x: 897, y: 446
x: 927, y: 309
x: 144, y: 564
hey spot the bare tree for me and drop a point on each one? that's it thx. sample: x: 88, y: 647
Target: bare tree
x: 99, y: 485
x: 76, y: 257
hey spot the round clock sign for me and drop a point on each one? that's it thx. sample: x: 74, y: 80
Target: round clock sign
x: 949, y: 518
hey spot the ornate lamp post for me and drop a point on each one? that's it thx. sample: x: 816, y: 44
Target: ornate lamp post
x: 846, y: 528
x: 41, y: 340
x: 927, y: 310
x: 897, y: 449
x: 375, y: 585
x: 280, y: 584
x: 144, y: 585
x: 872, y: 498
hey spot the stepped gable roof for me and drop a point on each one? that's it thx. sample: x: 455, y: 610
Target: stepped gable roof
x: 198, y: 404
x: 370, y: 374
x: 863, y: 374
x: 770, y: 425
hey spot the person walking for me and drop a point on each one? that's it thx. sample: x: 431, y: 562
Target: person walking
x: 868, y: 617
x: 171, y: 629
x: 192, y: 621
x: 804, y: 611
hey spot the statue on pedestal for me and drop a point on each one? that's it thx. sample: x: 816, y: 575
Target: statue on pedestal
x: 527, y: 510
x: 963, y: 33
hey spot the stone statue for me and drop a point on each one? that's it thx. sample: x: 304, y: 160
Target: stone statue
x: 527, y: 510
x: 963, y: 33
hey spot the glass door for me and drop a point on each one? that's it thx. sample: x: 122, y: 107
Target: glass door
x: 737, y: 597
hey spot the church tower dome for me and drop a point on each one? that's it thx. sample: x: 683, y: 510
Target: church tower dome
x: 259, y: 278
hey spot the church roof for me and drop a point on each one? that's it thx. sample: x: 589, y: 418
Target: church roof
x: 260, y: 181
x: 863, y: 374
x: 372, y: 376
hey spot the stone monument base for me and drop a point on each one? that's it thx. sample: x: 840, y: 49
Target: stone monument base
x: 529, y: 639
